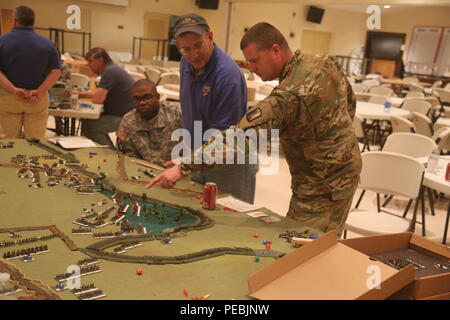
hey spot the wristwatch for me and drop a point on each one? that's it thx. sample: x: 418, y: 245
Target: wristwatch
x: 185, y: 170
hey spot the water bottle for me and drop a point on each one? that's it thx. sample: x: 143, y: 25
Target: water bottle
x: 387, y: 106
x: 433, y: 161
x: 74, y: 100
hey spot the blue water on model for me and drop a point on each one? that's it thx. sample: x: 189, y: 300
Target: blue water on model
x: 162, y: 217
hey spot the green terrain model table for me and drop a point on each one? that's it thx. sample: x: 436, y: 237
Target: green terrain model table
x: 183, y: 251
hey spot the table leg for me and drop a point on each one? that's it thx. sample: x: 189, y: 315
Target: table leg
x: 422, y: 195
x: 59, y: 126
x: 430, y: 198
x: 444, y: 241
x: 72, y: 126
x: 413, y: 222
x: 66, y: 126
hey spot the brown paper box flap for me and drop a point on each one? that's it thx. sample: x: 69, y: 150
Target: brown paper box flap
x: 379, y: 243
x: 280, y: 267
x: 325, y: 270
x: 430, y: 245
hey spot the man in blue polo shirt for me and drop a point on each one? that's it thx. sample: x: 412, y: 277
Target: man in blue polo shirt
x: 213, y: 95
x: 29, y: 67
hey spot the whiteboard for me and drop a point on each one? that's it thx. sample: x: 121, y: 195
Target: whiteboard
x: 422, y: 49
x: 442, y: 67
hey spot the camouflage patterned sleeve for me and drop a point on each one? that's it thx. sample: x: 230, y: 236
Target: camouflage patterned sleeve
x: 351, y: 99
x: 124, y: 136
x: 270, y: 113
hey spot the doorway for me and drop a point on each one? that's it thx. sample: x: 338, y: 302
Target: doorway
x: 315, y: 41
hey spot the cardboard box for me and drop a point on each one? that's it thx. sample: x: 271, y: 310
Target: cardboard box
x: 423, y: 287
x: 326, y: 269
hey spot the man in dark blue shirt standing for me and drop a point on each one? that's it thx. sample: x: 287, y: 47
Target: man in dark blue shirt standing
x: 29, y: 67
x: 113, y: 91
x: 213, y: 95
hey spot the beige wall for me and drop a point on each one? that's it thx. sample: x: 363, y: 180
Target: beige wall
x: 348, y: 29
x: 103, y: 20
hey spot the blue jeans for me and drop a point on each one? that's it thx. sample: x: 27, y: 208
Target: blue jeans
x: 237, y: 179
x: 98, y: 129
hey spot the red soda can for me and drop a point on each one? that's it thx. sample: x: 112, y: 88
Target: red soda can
x: 447, y: 172
x: 209, y: 195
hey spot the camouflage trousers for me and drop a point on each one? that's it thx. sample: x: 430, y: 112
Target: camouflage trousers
x: 321, y: 212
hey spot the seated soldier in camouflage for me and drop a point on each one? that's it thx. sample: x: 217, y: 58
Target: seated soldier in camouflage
x: 145, y: 131
x: 313, y: 108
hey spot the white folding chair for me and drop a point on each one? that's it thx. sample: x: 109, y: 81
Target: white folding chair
x: 79, y: 80
x: 359, y: 87
x: 387, y: 173
x: 409, y: 144
x: 136, y: 76
x: 378, y: 99
x: 422, y: 107
x: 443, y: 95
x: 382, y: 91
x: 437, y: 84
x: 415, y: 146
x: 361, y: 133
x: 371, y: 83
x: 443, y: 139
x: 415, y: 94
x: 400, y: 124
x: 422, y: 124
x: 415, y: 87
x: 169, y: 78
x: 152, y: 74
x: 130, y: 67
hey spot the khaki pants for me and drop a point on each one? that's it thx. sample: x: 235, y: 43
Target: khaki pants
x: 16, y: 113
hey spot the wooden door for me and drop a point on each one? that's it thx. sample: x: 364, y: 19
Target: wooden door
x: 7, y: 22
x: 384, y: 67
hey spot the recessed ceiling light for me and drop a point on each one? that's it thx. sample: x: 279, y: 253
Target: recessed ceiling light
x: 387, y: 6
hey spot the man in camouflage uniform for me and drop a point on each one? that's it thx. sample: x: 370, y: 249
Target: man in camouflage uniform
x: 145, y: 132
x: 313, y: 107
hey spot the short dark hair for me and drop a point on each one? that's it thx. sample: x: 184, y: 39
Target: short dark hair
x: 98, y: 52
x: 144, y: 82
x: 264, y: 35
x: 24, y: 16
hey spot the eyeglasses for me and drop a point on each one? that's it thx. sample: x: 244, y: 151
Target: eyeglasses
x: 197, y: 46
x: 145, y: 98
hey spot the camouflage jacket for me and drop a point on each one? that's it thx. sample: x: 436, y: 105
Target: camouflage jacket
x: 150, y: 139
x: 313, y: 108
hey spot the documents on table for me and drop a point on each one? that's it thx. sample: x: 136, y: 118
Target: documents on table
x: 74, y: 142
x: 238, y: 205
